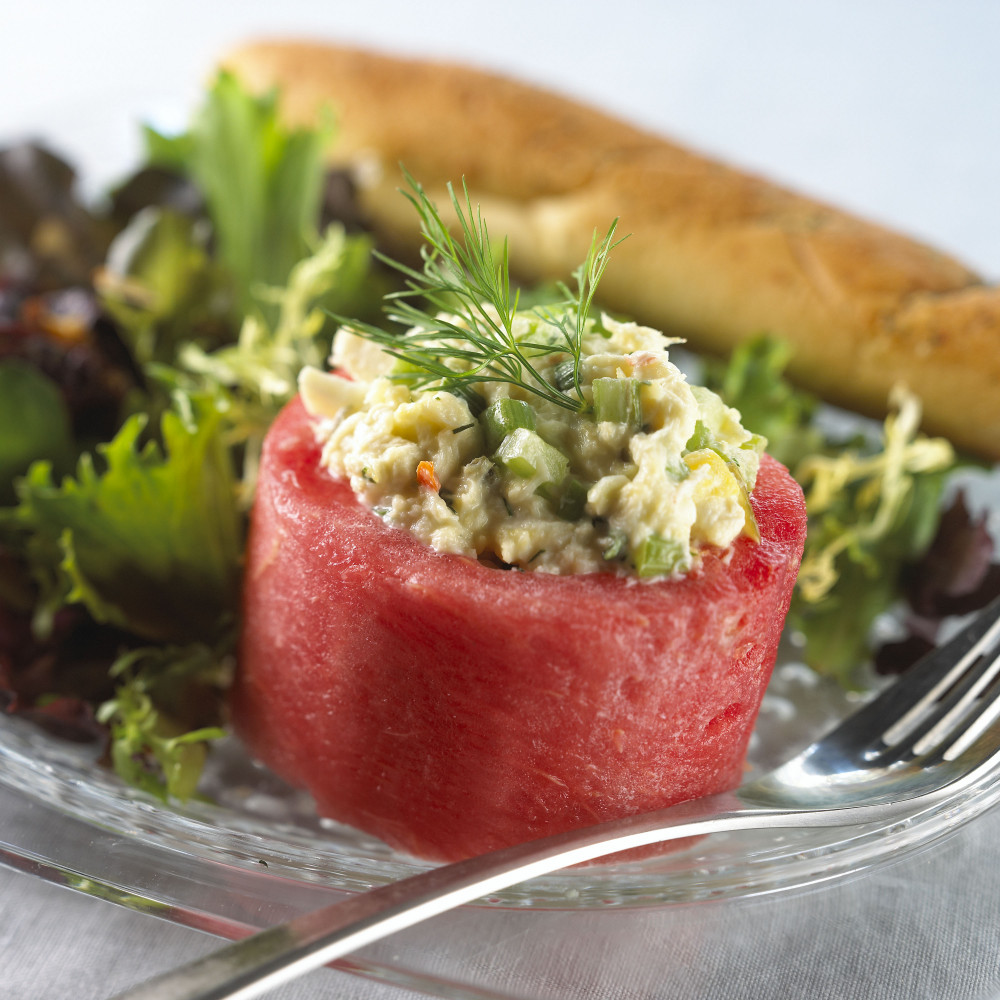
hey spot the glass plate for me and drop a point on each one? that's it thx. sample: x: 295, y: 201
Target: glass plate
x: 256, y: 851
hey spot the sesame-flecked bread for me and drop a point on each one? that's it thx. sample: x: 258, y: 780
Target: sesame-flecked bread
x: 714, y: 254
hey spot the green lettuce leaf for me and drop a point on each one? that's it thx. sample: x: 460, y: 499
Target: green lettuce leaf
x: 163, y: 287
x: 151, y: 541
x: 262, y: 183
x: 35, y: 422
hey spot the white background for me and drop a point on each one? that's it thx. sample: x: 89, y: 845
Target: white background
x: 889, y: 108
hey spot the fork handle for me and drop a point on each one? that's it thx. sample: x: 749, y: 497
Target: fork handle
x: 275, y: 956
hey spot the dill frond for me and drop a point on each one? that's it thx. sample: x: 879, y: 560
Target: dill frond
x: 459, y: 310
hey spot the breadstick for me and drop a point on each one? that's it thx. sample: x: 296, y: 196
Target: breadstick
x: 714, y: 254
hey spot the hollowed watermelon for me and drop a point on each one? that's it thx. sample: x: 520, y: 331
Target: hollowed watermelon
x: 449, y: 707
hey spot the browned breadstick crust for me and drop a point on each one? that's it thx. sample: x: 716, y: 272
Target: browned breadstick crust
x: 714, y: 254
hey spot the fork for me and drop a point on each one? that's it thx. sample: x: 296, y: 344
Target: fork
x: 929, y: 736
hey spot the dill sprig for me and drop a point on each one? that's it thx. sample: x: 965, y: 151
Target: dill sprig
x: 459, y: 310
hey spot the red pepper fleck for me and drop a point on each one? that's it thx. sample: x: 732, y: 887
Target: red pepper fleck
x: 426, y: 476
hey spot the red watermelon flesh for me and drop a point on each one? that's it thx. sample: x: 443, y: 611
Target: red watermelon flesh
x: 450, y: 708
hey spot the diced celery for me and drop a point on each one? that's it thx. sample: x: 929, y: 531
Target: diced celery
x: 617, y: 400
x: 538, y: 340
x: 525, y: 454
x: 657, y: 556
x: 502, y: 417
x: 712, y: 411
x: 701, y: 438
x: 401, y: 368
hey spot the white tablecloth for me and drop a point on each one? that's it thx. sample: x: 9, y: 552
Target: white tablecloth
x: 926, y: 927
x: 889, y: 108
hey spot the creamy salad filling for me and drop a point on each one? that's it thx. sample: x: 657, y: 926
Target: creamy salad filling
x: 652, y: 472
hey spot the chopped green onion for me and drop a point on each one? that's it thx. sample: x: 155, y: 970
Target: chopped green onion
x: 679, y: 470
x: 503, y: 417
x: 473, y: 399
x: 657, y: 556
x: 617, y: 400
x: 741, y: 460
x: 614, y: 545
x: 564, y: 375
x: 525, y: 454
x: 570, y: 500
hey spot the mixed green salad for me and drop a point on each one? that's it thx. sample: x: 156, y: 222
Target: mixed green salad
x: 147, y: 343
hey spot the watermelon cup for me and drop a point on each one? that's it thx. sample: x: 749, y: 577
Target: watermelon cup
x: 451, y: 708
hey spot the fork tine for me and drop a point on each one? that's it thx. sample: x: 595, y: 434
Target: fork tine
x: 965, y: 712
x: 968, y: 714
x: 899, y: 710
x: 938, y: 713
x: 975, y: 724
x: 983, y: 665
